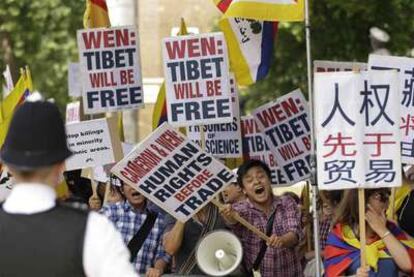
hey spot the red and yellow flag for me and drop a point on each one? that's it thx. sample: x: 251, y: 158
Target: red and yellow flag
x: 96, y: 14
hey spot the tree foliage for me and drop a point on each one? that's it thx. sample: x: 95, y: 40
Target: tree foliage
x: 339, y: 31
x: 42, y: 35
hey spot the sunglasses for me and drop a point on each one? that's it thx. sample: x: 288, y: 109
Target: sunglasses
x: 382, y: 195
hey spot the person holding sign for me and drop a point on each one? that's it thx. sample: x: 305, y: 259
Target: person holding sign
x: 389, y: 250
x: 39, y: 237
x: 142, y: 229
x: 278, y: 216
x: 180, y: 239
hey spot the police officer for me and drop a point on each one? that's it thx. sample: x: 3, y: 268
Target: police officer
x: 39, y: 237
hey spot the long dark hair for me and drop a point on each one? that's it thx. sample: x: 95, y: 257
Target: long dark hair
x: 348, y: 210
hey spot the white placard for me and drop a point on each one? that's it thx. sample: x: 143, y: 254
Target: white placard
x: 221, y: 140
x: 357, y: 129
x: 285, y: 125
x: 92, y: 144
x: 110, y: 69
x: 173, y: 173
x: 74, y: 80
x: 333, y: 66
x: 6, y: 183
x: 256, y: 148
x: 197, y: 80
x: 405, y: 67
x: 73, y: 112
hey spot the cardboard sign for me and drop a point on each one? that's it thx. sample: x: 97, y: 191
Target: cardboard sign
x: 256, y: 148
x: 357, y: 128
x: 73, y: 112
x: 93, y: 143
x: 285, y: 124
x: 110, y: 69
x: 221, y: 140
x: 197, y: 80
x: 74, y: 80
x: 172, y: 172
x: 405, y: 67
x: 332, y: 66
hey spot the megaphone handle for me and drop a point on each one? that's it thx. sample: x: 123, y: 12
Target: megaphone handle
x: 243, y: 222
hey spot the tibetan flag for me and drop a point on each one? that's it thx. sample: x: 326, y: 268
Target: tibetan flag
x: 17, y: 96
x: 159, y: 115
x: 250, y: 45
x: 96, y: 14
x: 222, y: 5
x: 343, y: 251
x: 266, y: 10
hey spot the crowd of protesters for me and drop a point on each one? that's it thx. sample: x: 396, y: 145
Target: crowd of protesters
x: 126, y: 234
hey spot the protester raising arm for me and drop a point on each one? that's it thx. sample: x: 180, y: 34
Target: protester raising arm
x: 377, y: 221
x: 172, y: 239
x: 390, y: 249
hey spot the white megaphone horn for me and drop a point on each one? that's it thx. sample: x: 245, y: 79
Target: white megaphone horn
x: 219, y: 253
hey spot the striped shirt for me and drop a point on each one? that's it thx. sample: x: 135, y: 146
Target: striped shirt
x: 128, y: 221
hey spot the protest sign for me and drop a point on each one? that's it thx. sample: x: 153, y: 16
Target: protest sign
x: 73, y: 112
x: 285, y: 125
x: 74, y: 80
x: 256, y: 148
x: 6, y: 183
x: 110, y: 69
x: 405, y: 67
x: 173, y: 172
x: 333, y: 66
x: 357, y: 128
x: 197, y: 80
x: 93, y: 143
x: 221, y: 140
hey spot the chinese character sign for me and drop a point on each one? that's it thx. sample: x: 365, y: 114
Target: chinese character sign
x: 255, y: 147
x: 197, y: 80
x: 285, y: 125
x: 221, y: 140
x: 405, y: 67
x: 110, y: 69
x: 357, y: 129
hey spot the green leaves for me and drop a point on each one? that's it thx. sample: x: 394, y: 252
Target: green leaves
x: 43, y: 36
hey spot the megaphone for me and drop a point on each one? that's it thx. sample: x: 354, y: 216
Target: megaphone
x: 219, y: 253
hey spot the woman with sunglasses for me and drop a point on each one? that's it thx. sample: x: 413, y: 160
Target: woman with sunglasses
x: 389, y: 249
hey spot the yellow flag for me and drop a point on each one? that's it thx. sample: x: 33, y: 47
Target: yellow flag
x: 266, y: 10
x: 96, y: 14
x: 16, y: 96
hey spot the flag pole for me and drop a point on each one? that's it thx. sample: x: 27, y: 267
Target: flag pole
x: 313, y: 157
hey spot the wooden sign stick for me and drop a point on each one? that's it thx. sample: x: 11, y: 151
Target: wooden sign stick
x: 362, y: 231
x: 243, y: 222
x: 392, y: 204
x: 93, y: 183
x: 306, y: 204
x: 219, y: 205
